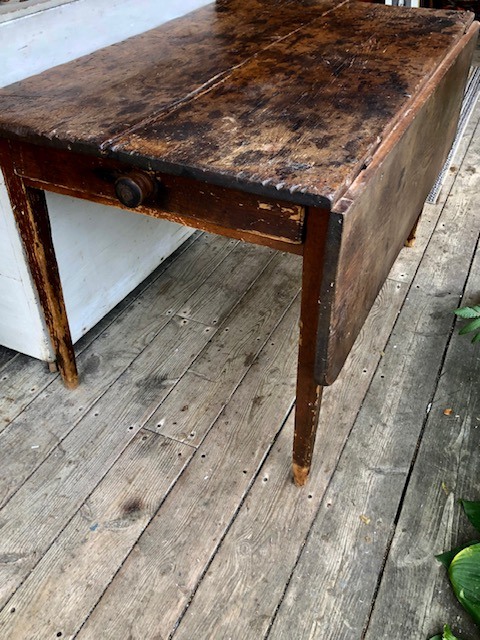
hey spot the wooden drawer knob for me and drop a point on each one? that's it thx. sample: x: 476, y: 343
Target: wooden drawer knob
x: 133, y: 189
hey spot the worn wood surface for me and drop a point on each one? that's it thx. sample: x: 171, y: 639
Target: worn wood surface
x: 31, y: 215
x: 257, y: 556
x: 49, y: 420
x: 379, y: 210
x: 309, y: 392
x: 68, y: 474
x: 102, y: 531
x: 175, y: 198
x: 169, y: 560
x: 192, y: 407
x: 215, y: 106
x: 151, y: 590
x: 364, y: 106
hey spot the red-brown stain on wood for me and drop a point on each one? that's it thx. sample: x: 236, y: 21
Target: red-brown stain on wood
x: 284, y: 98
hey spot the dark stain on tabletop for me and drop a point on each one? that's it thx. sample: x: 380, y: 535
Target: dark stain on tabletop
x: 280, y: 95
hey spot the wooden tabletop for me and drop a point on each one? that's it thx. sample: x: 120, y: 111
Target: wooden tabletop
x: 283, y: 98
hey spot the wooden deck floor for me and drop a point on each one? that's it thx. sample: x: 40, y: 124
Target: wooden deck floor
x: 156, y: 500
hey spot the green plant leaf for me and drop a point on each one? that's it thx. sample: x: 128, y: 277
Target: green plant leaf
x: 472, y: 510
x: 447, y: 557
x: 476, y: 338
x: 447, y: 634
x: 474, y: 325
x: 468, y: 312
x: 464, y: 575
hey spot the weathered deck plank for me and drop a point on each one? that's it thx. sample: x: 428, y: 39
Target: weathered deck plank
x: 73, y: 469
x: 48, y: 419
x: 196, y: 401
x: 216, y: 297
x: 6, y: 355
x: 71, y: 576
x: 259, y: 552
x: 155, y: 584
x: 445, y: 471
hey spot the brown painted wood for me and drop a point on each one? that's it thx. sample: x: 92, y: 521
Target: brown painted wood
x: 369, y: 226
x: 31, y: 215
x: 309, y: 392
x: 234, y: 213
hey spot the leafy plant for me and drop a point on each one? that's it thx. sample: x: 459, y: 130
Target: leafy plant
x: 472, y: 314
x: 463, y: 566
x: 446, y: 635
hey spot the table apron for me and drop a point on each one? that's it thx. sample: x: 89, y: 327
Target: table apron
x: 180, y: 199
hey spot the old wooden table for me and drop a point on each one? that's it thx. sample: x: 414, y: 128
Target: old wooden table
x: 312, y: 126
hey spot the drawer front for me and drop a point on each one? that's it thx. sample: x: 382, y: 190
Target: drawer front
x: 173, y: 197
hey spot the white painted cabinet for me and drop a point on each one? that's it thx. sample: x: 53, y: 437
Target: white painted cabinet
x: 103, y: 253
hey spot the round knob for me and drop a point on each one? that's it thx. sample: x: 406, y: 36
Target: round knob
x: 133, y: 189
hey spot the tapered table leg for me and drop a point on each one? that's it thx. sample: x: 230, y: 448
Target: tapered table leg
x: 309, y: 393
x: 31, y: 215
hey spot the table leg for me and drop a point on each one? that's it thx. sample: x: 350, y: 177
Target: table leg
x: 31, y: 215
x: 309, y: 393
x: 412, y: 236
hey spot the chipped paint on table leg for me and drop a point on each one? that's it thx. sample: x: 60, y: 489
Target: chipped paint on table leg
x: 31, y: 215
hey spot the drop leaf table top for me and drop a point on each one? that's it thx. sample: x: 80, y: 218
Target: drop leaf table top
x: 312, y: 126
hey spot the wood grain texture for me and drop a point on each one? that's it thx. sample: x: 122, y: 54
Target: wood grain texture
x: 175, y: 198
x: 196, y: 96
x: 150, y: 73
x: 49, y: 419
x: 245, y: 582
x: 459, y: 437
x: 357, y: 519
x: 431, y: 520
x: 274, y: 136
x: 74, y: 468
x: 377, y: 213
x: 190, y: 410
x: 156, y: 582
x: 216, y: 297
x: 57, y: 597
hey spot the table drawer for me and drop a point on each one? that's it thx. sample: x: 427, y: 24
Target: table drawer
x: 177, y: 198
